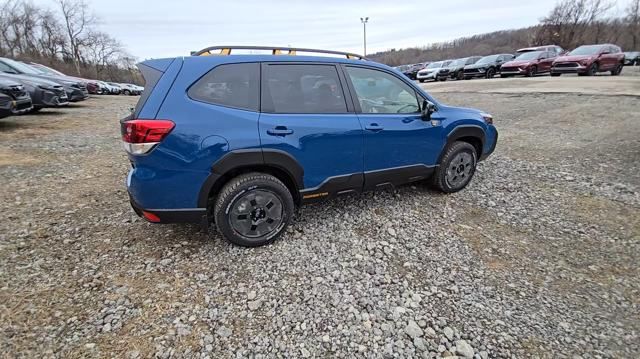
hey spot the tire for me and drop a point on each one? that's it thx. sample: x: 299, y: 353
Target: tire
x: 421, y: 80
x: 555, y: 74
x: 442, y: 79
x: 617, y: 70
x: 242, y: 197
x: 460, y: 75
x: 532, y: 71
x: 593, y: 69
x: 491, y: 72
x: 127, y: 92
x: 449, y: 176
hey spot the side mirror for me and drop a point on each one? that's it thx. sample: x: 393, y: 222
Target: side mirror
x: 428, y: 108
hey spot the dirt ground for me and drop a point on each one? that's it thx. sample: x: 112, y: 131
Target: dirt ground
x: 537, y: 258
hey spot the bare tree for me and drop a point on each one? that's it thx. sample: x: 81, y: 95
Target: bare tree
x: 77, y: 20
x: 102, y: 49
x: 633, y: 20
x: 567, y: 23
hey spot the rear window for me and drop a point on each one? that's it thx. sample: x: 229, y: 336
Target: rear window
x: 230, y: 85
x: 302, y: 89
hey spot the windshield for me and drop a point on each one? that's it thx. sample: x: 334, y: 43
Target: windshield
x: 586, y: 50
x: 487, y: 59
x: 22, y: 67
x: 529, y: 55
x: 434, y: 65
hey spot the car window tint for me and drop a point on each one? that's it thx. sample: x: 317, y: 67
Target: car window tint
x: 380, y: 92
x: 296, y: 88
x: 231, y: 85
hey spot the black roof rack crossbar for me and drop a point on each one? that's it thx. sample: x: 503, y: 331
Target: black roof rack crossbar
x: 275, y: 50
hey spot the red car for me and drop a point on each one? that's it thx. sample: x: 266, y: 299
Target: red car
x: 528, y: 64
x: 588, y: 60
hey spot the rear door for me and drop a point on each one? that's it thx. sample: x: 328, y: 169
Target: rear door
x: 305, y: 112
x: 399, y: 146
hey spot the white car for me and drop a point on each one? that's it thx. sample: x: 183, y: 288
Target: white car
x: 130, y: 89
x: 433, y: 71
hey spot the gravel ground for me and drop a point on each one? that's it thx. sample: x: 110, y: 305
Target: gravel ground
x: 537, y: 258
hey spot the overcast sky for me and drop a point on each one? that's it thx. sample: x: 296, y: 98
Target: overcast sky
x: 163, y: 28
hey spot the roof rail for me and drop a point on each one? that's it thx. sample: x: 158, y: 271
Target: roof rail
x: 275, y: 50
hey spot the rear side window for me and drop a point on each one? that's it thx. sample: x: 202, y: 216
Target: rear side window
x: 230, y: 85
x: 298, y: 88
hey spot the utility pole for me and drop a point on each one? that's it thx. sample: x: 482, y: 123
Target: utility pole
x: 364, y: 24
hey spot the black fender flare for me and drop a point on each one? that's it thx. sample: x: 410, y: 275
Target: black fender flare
x: 258, y: 157
x: 463, y: 131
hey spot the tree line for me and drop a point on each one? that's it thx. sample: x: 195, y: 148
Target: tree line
x: 569, y: 24
x: 65, y: 37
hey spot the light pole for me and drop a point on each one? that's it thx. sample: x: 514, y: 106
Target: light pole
x: 364, y: 23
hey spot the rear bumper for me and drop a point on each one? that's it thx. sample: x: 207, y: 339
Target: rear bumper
x: 183, y: 215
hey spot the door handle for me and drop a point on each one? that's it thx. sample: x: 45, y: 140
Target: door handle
x: 279, y: 131
x: 374, y: 127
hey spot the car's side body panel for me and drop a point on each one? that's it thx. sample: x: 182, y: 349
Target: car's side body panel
x: 321, y: 155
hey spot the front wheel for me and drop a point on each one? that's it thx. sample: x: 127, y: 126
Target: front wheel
x: 253, y: 209
x: 127, y: 92
x: 593, y: 70
x: 532, y: 71
x: 421, y: 80
x: 460, y: 75
x: 491, y: 73
x: 457, y: 167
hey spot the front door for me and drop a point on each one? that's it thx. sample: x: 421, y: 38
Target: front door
x: 305, y: 113
x: 399, y: 146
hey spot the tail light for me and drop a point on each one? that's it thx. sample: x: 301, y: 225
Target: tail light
x: 141, y: 136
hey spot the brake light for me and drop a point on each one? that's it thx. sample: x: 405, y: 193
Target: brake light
x: 140, y: 135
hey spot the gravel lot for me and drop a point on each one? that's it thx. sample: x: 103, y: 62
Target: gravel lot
x: 537, y: 258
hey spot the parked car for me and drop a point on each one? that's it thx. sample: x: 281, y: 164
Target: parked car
x: 43, y: 93
x: 487, y: 66
x: 588, y: 60
x: 434, y: 71
x: 632, y: 58
x: 92, y: 85
x: 6, y: 106
x: 555, y: 49
x: 76, y: 90
x: 19, y: 96
x: 130, y: 89
x: 287, y: 131
x: 456, y: 67
x: 114, y: 88
x: 104, y: 88
x: 528, y: 64
x: 412, y: 71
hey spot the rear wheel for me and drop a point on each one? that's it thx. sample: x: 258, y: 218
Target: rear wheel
x: 457, y: 167
x: 253, y: 209
x: 617, y: 70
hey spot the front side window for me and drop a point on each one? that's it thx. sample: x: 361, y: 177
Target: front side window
x: 380, y: 92
x: 300, y: 88
x: 230, y: 85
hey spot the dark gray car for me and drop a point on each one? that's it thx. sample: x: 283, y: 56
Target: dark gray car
x: 487, y: 66
x: 43, y: 93
x: 456, y: 68
x: 19, y: 96
x: 76, y: 91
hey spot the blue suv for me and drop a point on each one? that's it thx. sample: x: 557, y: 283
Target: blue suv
x: 240, y: 140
